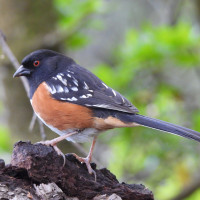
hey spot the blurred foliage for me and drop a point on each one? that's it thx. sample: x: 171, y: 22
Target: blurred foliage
x: 157, y: 159
x: 5, y: 139
x: 75, y: 17
x: 155, y: 47
x: 5, y: 144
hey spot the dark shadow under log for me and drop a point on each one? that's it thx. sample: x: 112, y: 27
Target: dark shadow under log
x: 38, y: 167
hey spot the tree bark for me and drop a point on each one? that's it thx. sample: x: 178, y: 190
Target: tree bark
x: 37, y: 172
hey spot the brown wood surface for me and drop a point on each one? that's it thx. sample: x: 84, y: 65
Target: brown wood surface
x: 33, y: 165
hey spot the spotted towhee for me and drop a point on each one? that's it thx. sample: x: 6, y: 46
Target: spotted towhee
x: 77, y: 105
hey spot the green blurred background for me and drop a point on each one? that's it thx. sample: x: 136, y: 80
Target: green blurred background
x: 148, y: 50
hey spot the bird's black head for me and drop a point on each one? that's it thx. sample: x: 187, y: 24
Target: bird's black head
x: 41, y: 65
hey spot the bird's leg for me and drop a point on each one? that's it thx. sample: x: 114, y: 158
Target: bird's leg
x: 88, y: 158
x: 55, y: 141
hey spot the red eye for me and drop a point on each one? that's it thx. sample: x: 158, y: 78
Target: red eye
x: 36, y: 63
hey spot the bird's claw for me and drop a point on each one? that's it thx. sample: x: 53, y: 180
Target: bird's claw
x: 87, y: 162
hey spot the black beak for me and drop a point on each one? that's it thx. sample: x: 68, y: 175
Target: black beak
x: 22, y: 72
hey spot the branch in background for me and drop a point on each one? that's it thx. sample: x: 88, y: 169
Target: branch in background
x: 157, y: 6
x: 41, y: 126
x: 174, y: 11
x: 32, y: 123
x: 56, y: 37
x: 191, y: 188
x: 171, y: 10
x: 7, y: 51
x: 197, y: 6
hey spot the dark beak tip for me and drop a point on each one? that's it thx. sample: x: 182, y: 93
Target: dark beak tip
x: 15, y: 75
x: 21, y: 71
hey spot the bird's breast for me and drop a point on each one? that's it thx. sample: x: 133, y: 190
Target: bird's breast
x: 58, y: 114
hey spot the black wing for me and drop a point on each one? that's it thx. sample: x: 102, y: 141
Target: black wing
x: 77, y: 85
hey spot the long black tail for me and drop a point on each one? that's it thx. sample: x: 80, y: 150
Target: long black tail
x: 167, y: 127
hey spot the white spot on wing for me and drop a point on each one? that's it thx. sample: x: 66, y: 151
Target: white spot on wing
x: 114, y: 92
x: 63, y: 98
x: 66, y: 90
x: 104, y: 85
x: 60, y: 78
x: 69, y: 75
x: 54, y: 78
x: 64, y: 81
x: 59, y: 89
x: 99, y: 105
x: 70, y: 71
x: 85, y: 86
x: 75, y: 82
x: 85, y: 96
x: 52, y: 89
x: 72, y: 99
x: 74, y: 89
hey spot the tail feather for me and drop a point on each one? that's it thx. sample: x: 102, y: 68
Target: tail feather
x: 166, y: 126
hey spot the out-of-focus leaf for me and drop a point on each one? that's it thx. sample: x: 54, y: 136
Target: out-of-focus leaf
x: 74, y: 17
x: 5, y: 144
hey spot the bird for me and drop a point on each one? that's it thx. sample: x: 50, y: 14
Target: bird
x: 78, y: 106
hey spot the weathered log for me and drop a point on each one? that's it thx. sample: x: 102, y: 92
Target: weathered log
x: 37, y: 172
